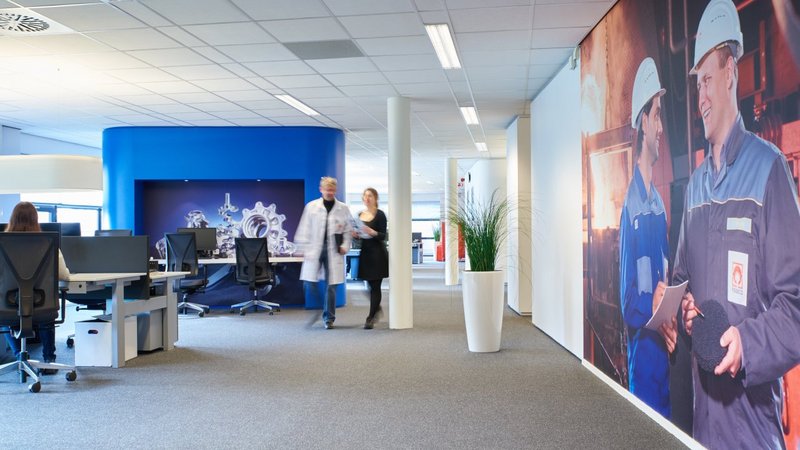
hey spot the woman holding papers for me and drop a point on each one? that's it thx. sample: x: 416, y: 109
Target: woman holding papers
x: 374, y: 259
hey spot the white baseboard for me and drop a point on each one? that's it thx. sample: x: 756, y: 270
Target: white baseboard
x: 658, y: 418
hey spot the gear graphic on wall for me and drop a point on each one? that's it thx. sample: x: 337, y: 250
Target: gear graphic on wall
x: 262, y: 222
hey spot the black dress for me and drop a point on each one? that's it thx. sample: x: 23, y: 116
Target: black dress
x: 373, y: 262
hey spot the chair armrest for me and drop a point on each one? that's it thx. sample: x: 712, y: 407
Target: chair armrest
x: 62, y: 294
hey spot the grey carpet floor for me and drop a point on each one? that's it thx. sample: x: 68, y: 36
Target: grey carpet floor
x: 283, y: 381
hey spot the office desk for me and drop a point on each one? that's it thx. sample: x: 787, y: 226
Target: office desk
x: 81, y: 283
x: 272, y: 260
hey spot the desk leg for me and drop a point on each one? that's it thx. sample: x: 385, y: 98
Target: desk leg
x: 118, y: 325
x: 169, y: 320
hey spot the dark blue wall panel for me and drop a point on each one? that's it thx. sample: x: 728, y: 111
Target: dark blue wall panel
x: 214, y: 153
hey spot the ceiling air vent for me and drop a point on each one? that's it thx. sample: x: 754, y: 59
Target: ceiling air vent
x: 24, y: 22
x: 21, y: 23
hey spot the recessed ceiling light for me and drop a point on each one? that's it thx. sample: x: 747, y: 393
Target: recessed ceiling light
x: 296, y: 104
x: 482, y: 146
x: 470, y: 115
x: 442, y: 41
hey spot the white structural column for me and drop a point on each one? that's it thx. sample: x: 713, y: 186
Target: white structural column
x: 450, y: 229
x: 518, y: 179
x: 9, y: 145
x: 401, y: 301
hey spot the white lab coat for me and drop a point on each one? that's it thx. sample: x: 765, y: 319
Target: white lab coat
x: 309, y: 238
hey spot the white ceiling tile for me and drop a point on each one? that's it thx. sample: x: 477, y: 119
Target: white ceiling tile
x: 211, y: 123
x: 277, y: 68
x: 241, y: 114
x: 262, y: 104
x: 255, y: 122
x: 172, y: 87
x: 248, y: 95
x: 230, y: 33
x: 493, y: 40
x: 189, y: 12
x: 202, y: 72
x: 13, y: 47
x: 497, y: 72
x: 558, y: 37
x: 296, y: 81
x: 144, y: 100
x: 192, y: 116
x: 376, y: 90
x: 306, y: 93
x: 212, y: 54
x: 136, y: 39
x: 260, y: 82
x: 282, y: 9
x: 356, y: 79
x: 568, y: 15
x: 544, y: 70
x: 170, y: 57
x: 239, y: 70
x: 342, y: 65
x: 182, y: 36
x: 108, y: 61
x: 33, y: 3
x: 66, y: 44
x: 464, y: 4
x: 360, y: 7
x: 121, y: 89
x: 257, y: 52
x: 406, y: 62
x: 383, y: 25
x: 404, y: 45
x: 230, y: 84
x: 429, y: 5
x: 141, y: 75
x: 171, y: 108
x: 416, y: 76
x: 220, y: 107
x: 195, y: 98
x: 143, y: 13
x: 433, y: 17
x: 495, y: 58
x: 439, y: 90
x: 95, y: 17
x: 491, y: 19
x: 305, y: 30
x: 550, y: 55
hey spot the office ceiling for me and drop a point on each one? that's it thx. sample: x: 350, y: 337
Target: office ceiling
x: 113, y: 63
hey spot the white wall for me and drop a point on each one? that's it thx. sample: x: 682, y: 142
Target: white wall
x: 557, y: 218
x: 482, y: 179
x: 36, y: 145
x: 518, y: 169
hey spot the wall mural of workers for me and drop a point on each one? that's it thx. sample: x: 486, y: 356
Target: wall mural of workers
x: 711, y: 199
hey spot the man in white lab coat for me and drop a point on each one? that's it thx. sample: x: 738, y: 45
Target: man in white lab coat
x: 324, y: 235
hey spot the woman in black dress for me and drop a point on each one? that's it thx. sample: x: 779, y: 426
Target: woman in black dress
x: 373, y: 263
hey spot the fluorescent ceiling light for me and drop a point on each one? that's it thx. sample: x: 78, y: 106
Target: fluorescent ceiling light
x: 481, y: 146
x: 442, y: 41
x: 470, y: 115
x: 296, y: 104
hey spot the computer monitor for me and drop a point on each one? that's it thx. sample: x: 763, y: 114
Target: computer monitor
x: 3, y: 227
x: 51, y: 226
x: 118, y: 232
x: 206, y: 238
x: 70, y: 229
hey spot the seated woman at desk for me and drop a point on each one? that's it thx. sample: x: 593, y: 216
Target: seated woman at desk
x: 25, y: 218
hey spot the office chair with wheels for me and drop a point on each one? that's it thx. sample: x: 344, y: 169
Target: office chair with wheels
x: 254, y: 270
x: 182, y: 257
x: 28, y: 297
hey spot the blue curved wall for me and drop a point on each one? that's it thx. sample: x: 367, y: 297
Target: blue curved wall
x: 132, y: 154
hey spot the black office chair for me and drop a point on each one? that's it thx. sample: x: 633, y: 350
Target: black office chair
x: 182, y: 257
x: 28, y: 296
x: 254, y: 270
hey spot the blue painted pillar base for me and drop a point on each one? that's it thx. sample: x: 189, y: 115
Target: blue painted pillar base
x: 314, y: 300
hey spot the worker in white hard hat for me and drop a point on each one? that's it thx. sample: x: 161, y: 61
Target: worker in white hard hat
x: 739, y: 246
x: 644, y: 250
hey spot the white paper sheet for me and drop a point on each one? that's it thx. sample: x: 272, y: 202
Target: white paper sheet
x: 668, y: 307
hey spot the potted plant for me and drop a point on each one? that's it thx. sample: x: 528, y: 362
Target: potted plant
x: 483, y: 226
x: 437, y: 233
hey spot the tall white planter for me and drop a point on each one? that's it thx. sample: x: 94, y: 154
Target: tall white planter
x: 483, y: 309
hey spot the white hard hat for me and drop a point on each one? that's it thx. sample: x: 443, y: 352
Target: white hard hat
x: 718, y: 25
x: 646, y: 86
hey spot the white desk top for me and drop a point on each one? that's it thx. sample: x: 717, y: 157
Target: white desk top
x: 232, y: 261
x: 103, y: 277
